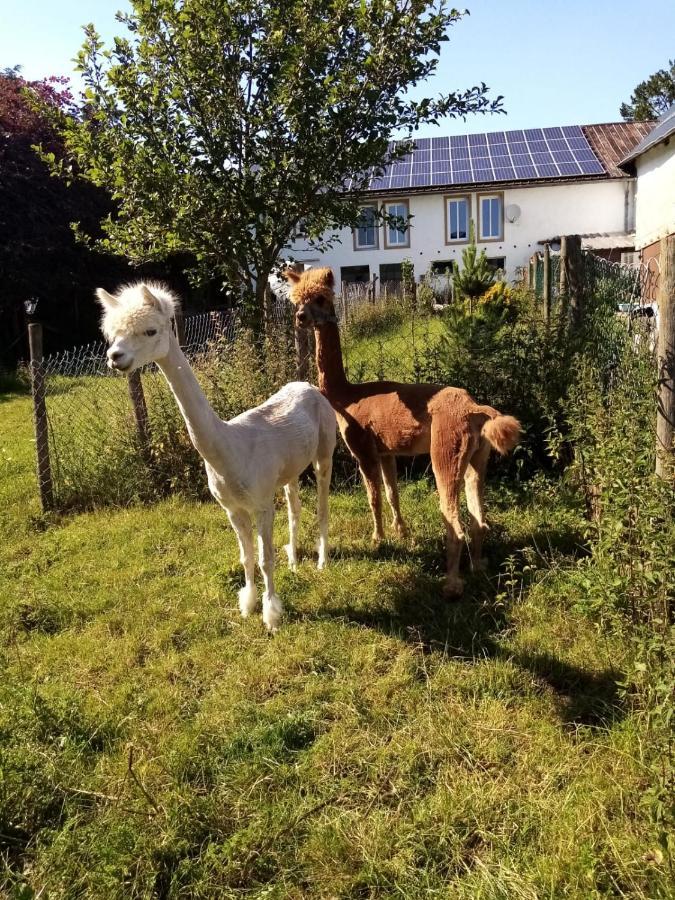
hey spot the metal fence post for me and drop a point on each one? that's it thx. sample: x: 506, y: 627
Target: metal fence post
x: 37, y: 380
x: 665, y: 415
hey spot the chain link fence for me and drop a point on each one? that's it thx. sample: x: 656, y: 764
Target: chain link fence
x: 107, y: 439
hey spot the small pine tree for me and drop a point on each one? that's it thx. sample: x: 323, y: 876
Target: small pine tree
x: 475, y: 276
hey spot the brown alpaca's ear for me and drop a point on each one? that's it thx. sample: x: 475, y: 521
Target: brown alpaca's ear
x: 149, y: 298
x: 327, y: 277
x: 291, y: 275
x: 106, y: 300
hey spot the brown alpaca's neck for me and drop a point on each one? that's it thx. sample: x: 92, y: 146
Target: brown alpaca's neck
x: 332, y: 378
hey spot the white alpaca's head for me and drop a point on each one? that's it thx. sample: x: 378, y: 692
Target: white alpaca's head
x: 137, y: 324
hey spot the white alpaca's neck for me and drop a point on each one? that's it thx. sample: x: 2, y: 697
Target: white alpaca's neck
x: 206, y: 430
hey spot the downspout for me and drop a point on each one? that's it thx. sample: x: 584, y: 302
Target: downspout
x: 629, y: 205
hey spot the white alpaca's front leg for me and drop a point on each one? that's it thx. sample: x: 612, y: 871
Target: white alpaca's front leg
x: 241, y: 522
x: 322, y: 471
x: 294, y: 509
x: 272, y: 608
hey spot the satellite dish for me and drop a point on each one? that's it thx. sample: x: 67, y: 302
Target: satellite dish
x: 512, y: 212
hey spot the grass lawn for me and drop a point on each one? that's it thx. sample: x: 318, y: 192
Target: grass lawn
x: 384, y: 744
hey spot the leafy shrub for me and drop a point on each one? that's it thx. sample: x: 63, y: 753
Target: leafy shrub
x: 498, y: 294
x: 627, y: 583
x: 507, y: 355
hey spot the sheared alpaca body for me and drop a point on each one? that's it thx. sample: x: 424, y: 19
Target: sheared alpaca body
x: 382, y: 419
x: 248, y: 458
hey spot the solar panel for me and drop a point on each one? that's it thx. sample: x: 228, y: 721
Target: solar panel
x: 492, y: 158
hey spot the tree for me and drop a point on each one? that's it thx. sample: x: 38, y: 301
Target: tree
x: 651, y: 98
x: 475, y: 276
x: 39, y: 256
x: 219, y: 126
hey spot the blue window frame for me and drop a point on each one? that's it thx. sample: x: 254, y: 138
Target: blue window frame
x: 491, y: 217
x: 457, y: 219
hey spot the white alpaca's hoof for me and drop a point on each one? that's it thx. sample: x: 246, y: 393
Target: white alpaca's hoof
x: 272, y: 612
x: 248, y: 600
x: 292, y: 557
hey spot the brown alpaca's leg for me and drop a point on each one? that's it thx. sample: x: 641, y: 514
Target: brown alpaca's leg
x: 370, y: 472
x: 474, y: 484
x: 389, y: 476
x: 450, y: 451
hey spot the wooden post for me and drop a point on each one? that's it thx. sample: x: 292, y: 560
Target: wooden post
x: 547, y: 283
x: 179, y: 323
x: 37, y: 380
x: 140, y: 410
x: 572, y: 276
x: 665, y: 415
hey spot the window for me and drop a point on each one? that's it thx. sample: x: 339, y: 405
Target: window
x: 397, y: 235
x: 457, y: 219
x: 355, y: 274
x: 390, y: 272
x: 365, y: 233
x: 497, y: 263
x: 443, y: 266
x: 490, y: 217
x: 300, y: 230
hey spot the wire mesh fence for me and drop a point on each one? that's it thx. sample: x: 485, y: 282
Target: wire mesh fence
x: 102, y: 438
x: 112, y: 439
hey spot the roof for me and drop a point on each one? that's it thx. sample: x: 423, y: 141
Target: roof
x: 612, y: 141
x: 601, y: 240
x: 518, y: 157
x: 664, y: 128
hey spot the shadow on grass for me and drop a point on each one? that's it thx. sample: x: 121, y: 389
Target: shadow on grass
x: 475, y: 627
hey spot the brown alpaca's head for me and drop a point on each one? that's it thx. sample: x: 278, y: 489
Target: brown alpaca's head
x: 312, y: 295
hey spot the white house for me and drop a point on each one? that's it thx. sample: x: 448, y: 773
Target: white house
x: 520, y: 188
x: 652, y: 163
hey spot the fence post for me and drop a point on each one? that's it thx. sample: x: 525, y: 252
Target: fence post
x: 179, y: 322
x: 37, y: 381
x: 572, y: 275
x: 371, y: 288
x: 665, y: 415
x: 140, y: 410
x: 547, y: 283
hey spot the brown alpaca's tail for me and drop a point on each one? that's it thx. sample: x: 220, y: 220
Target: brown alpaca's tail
x: 502, y: 432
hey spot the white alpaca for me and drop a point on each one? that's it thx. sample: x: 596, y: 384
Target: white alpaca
x: 248, y: 458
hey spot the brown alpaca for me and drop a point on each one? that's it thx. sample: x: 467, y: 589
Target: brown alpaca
x: 382, y: 419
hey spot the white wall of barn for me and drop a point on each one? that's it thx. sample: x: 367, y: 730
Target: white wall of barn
x: 546, y: 211
x: 655, y: 195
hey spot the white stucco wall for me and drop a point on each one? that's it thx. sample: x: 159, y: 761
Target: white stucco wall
x: 655, y: 197
x: 546, y: 211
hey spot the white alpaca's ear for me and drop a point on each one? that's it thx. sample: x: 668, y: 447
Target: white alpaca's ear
x: 149, y: 299
x: 106, y: 300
